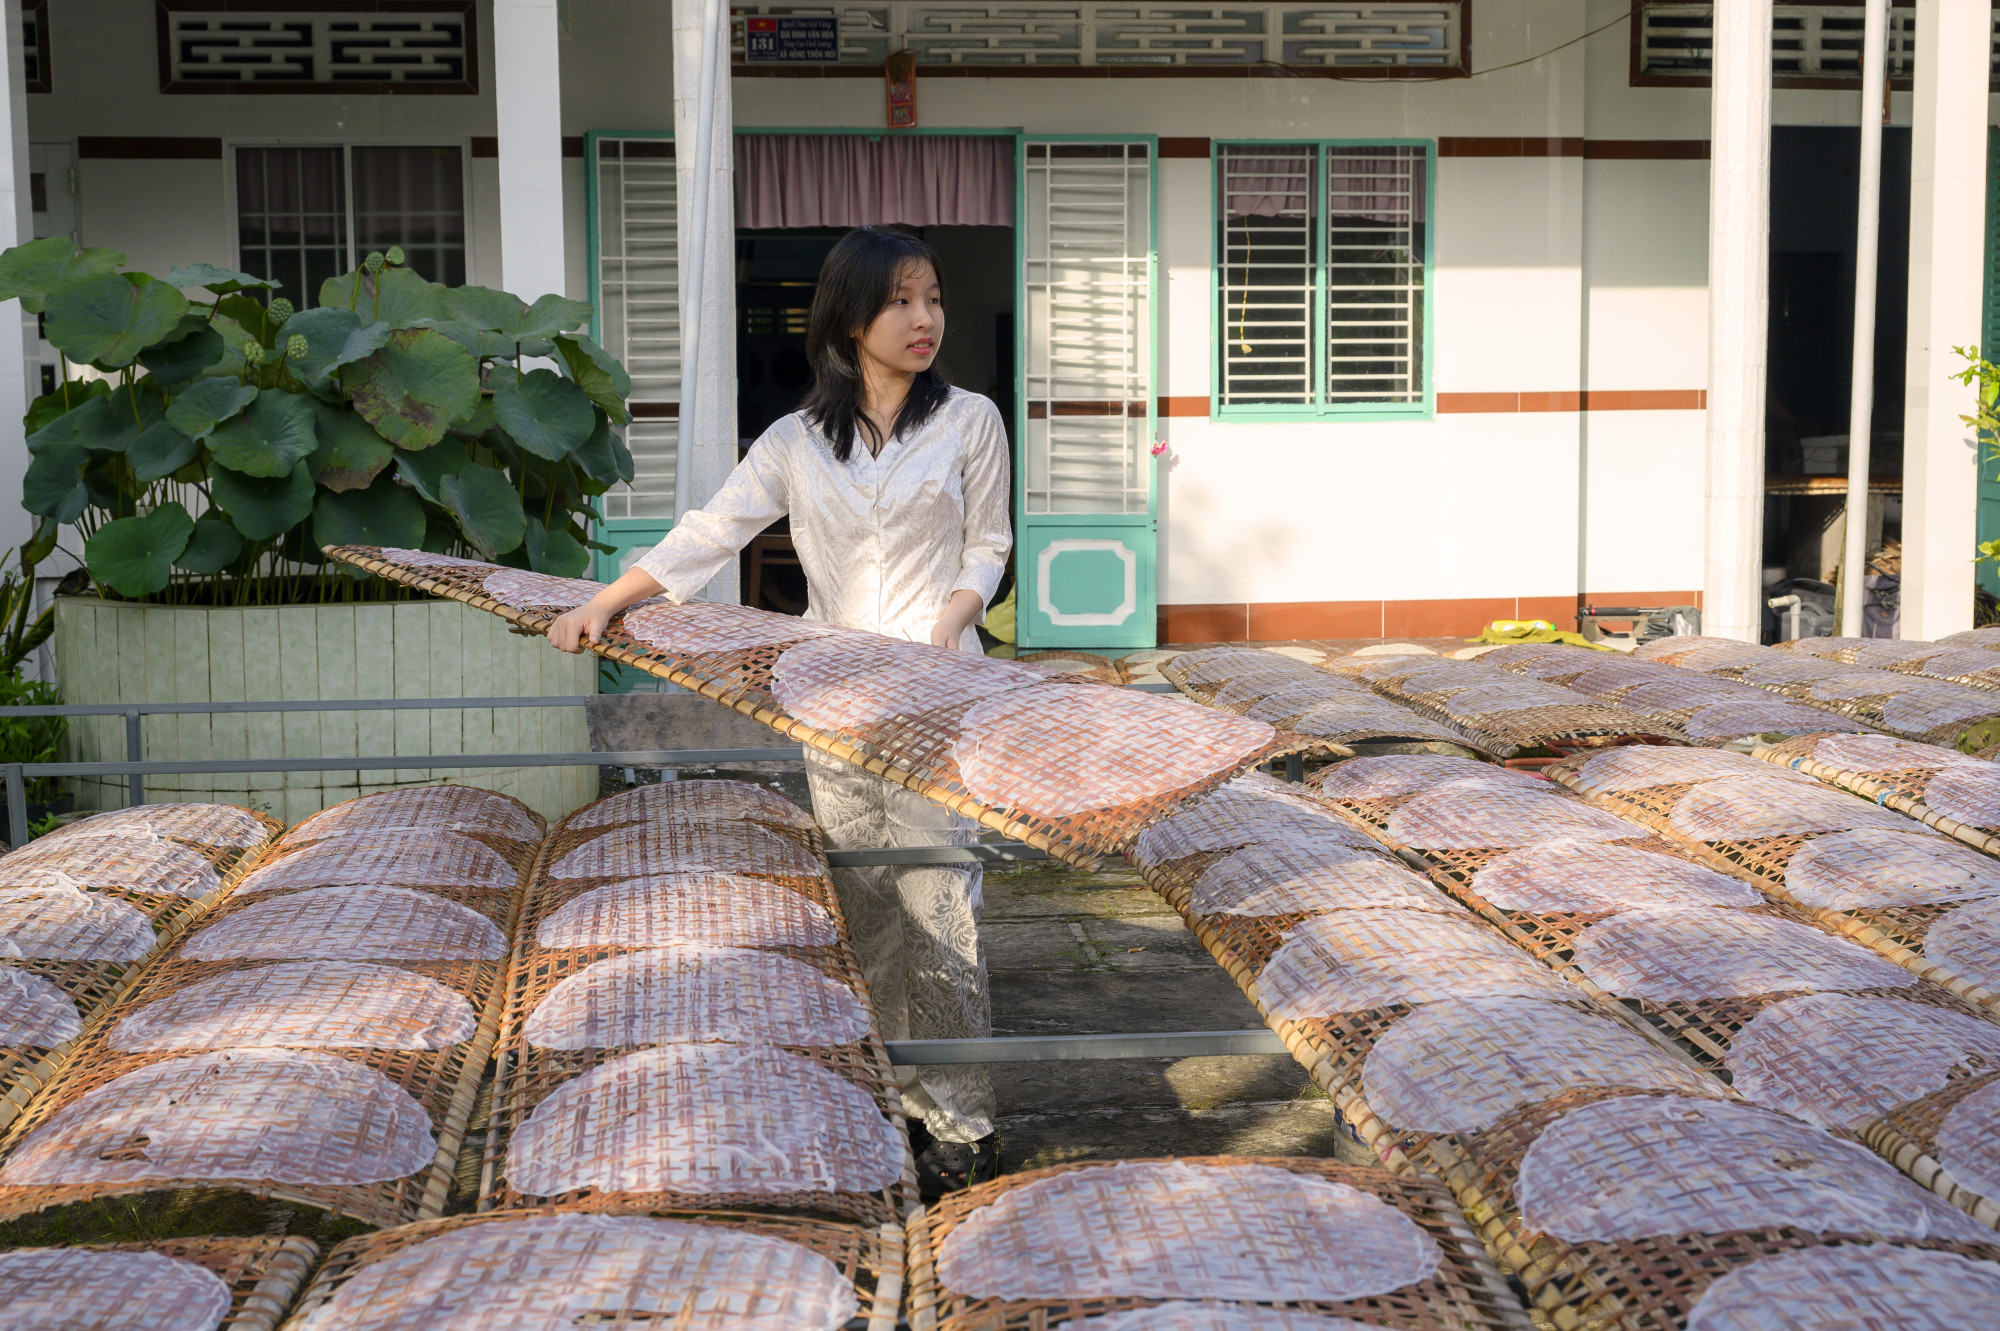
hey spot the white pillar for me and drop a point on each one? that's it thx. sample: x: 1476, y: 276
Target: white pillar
x: 1947, y: 219
x: 1739, y: 230
x: 527, y: 85
x: 704, y: 159
x: 18, y: 374
x: 1867, y: 245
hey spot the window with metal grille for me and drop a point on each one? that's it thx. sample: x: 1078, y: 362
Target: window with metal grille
x: 309, y: 213
x: 638, y: 308
x: 1322, y: 279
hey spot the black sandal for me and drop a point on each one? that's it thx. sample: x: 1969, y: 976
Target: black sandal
x: 945, y: 1167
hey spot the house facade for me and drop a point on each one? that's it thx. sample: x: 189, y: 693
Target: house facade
x: 1307, y: 320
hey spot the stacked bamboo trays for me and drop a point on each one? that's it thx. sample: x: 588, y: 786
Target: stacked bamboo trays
x: 1426, y: 1055
x: 1710, y: 710
x: 683, y: 995
x: 1927, y: 710
x: 1203, y: 1244
x: 1071, y: 767
x: 242, y: 1284
x: 309, y: 1039
x: 1858, y: 869
x: 1957, y: 794
x: 84, y: 910
x: 1281, y: 690
x: 1960, y: 659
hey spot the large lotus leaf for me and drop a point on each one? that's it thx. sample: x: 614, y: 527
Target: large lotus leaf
x: 192, y: 347
x: 33, y: 270
x: 213, y: 547
x: 543, y: 412
x: 158, y: 452
x: 263, y: 507
x: 479, y: 422
x: 415, y: 388
x: 598, y: 373
x: 406, y: 298
x: 350, y: 454
x: 487, y: 507
x: 555, y: 551
x: 273, y: 436
x: 233, y: 339
x: 53, y: 484
x: 203, y: 406
x: 42, y: 544
x: 135, y: 556
x: 47, y: 409
x: 383, y: 514
x: 504, y: 313
x: 604, y: 457
x: 107, y: 321
x: 104, y: 424
x: 334, y: 337
x: 482, y: 344
x: 222, y: 281
x: 426, y: 471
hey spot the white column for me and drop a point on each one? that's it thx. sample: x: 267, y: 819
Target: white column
x: 1867, y: 245
x: 527, y: 85
x: 1947, y: 218
x: 1739, y: 228
x: 704, y: 159
x: 18, y: 374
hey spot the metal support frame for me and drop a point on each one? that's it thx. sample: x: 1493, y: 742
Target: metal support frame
x: 1067, y: 1048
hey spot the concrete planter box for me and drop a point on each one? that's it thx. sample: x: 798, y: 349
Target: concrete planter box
x: 116, y: 652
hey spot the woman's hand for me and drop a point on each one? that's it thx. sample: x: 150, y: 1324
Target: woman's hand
x: 586, y: 623
x: 963, y: 608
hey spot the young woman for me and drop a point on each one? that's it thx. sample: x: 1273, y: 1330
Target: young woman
x: 897, y: 488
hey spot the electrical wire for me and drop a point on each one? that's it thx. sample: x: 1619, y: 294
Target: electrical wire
x: 1292, y: 72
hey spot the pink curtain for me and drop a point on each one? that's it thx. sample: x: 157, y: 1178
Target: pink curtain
x: 1363, y: 182
x: 785, y: 180
x: 1268, y: 182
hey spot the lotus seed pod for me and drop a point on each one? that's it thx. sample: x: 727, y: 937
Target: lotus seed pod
x: 395, y: 255
x: 253, y: 353
x: 374, y: 263
x: 295, y: 346
x: 281, y: 310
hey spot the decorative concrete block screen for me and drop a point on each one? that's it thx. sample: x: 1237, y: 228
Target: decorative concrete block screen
x: 86, y: 908
x: 1709, y: 710
x: 1278, y: 689
x: 318, y: 1035
x: 192, y: 1284
x: 686, y: 1024
x: 1073, y: 767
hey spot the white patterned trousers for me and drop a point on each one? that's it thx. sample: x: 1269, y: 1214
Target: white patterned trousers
x: 916, y: 930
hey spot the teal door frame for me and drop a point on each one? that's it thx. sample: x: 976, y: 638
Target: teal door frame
x: 1987, y: 524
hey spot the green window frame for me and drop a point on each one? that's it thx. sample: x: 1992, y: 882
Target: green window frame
x: 1334, y: 319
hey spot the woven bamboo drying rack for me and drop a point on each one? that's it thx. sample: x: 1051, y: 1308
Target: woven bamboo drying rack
x: 870, y: 1257
x: 445, y: 1082
x: 1975, y: 665
x: 527, y: 1074
x: 912, y: 750
x: 1899, y: 788
x: 1285, y: 691
x: 263, y: 1274
x: 96, y: 986
x: 1466, y: 1294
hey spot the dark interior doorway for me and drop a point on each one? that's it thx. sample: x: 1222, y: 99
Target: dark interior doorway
x: 776, y: 274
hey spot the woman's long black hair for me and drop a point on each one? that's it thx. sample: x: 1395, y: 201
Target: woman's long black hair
x: 855, y: 283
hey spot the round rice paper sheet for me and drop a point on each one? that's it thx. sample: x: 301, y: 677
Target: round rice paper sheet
x: 223, y: 825
x: 702, y: 628
x: 1392, y: 776
x: 1620, y: 672
x: 1839, y: 1060
x: 1969, y: 792
x: 707, y: 1118
x: 1065, y: 749
x: 855, y: 680
x: 77, y: 1289
x: 1644, y: 766
x: 430, y: 559
x: 1170, y: 1229
x: 1182, y: 1316
x: 1852, y: 685
x: 387, y: 859
x: 1503, y: 696
x: 1726, y: 721
x: 1746, y: 808
x: 661, y: 847
x: 1683, y: 954
x: 1968, y: 941
x: 1671, y: 695
x: 1871, y: 869
x: 691, y: 992
x: 302, y: 1005
x: 1785, y: 671
x: 1364, y: 717
x: 58, y: 922
x: 523, y: 589
x: 35, y: 1013
x: 1354, y: 960
x: 1920, y: 711
x: 350, y: 924
x: 1297, y: 877
x: 1968, y: 1140
x: 1886, y: 753
x: 722, y: 910
x: 1236, y: 815
x: 1647, y: 1166
x: 423, y: 809
x: 1591, y: 878
x: 693, y: 801
x: 1463, y: 1064
x: 1479, y: 815
x: 250, y: 1115
x: 558, y: 1272
x: 1851, y: 1287
x: 1983, y: 637
x: 1964, y: 664
x: 128, y: 860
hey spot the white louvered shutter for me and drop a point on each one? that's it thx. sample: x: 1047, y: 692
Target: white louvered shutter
x: 639, y: 310
x: 1088, y: 320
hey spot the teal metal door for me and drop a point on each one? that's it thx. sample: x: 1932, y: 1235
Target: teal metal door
x: 1989, y: 347
x: 1085, y: 528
